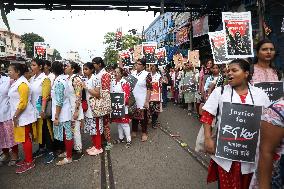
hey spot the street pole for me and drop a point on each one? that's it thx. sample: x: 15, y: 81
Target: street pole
x: 261, y: 5
x: 190, y: 33
x: 162, y: 10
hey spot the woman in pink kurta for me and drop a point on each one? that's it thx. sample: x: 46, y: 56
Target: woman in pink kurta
x: 263, y: 69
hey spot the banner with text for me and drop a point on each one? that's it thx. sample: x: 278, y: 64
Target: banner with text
x: 217, y: 42
x: 274, y: 90
x: 238, y: 132
x: 182, y: 36
x: 148, y: 50
x: 238, y: 33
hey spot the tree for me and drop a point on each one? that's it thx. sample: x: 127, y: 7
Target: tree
x: 56, y: 55
x: 111, y: 53
x: 28, y: 39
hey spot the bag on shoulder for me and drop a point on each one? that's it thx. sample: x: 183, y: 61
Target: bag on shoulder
x: 200, y: 139
x: 101, y: 106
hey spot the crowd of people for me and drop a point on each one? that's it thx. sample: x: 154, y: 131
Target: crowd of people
x: 51, y: 104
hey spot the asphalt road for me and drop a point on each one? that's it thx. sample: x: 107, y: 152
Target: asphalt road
x: 164, y: 161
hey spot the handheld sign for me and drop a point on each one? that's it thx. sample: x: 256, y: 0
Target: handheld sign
x: 117, y: 105
x: 131, y: 80
x: 274, y: 90
x: 238, y: 132
x: 188, y: 84
x: 155, y: 93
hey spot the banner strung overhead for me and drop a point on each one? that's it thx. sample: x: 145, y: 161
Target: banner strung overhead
x: 148, y: 50
x: 40, y: 50
x: 217, y: 42
x: 161, y: 56
x: 182, y: 36
x: 238, y: 33
x: 200, y: 26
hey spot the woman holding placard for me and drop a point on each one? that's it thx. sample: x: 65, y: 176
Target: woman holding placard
x: 120, y: 85
x: 230, y: 174
x: 155, y: 98
x: 263, y: 70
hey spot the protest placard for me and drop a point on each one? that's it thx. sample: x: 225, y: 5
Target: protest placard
x: 217, y: 42
x: 193, y: 58
x: 117, y: 105
x: 189, y: 84
x: 137, y: 52
x: 131, y: 80
x: 148, y: 50
x: 125, y: 58
x: 200, y: 26
x: 238, y: 34
x: 40, y: 50
x: 238, y: 132
x: 161, y: 56
x: 274, y: 90
x: 155, y: 93
x: 178, y: 60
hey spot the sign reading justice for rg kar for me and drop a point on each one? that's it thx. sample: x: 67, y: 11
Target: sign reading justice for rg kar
x: 238, y: 132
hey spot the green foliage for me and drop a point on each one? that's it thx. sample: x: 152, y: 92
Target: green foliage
x: 56, y: 55
x: 28, y: 39
x: 111, y: 53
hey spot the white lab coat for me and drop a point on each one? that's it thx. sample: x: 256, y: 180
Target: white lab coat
x: 260, y: 99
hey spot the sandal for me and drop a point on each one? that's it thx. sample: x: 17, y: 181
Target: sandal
x: 13, y: 162
x: 64, y: 162
x: 144, y: 137
x: 118, y: 141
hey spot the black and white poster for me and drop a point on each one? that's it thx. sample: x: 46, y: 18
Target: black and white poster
x: 274, y: 90
x: 189, y: 84
x: 238, y: 132
x: 131, y: 80
x: 117, y: 105
x: 217, y: 42
x: 238, y: 34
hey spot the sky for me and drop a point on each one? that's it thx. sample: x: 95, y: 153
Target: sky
x: 81, y: 31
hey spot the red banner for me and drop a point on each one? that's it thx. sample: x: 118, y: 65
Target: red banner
x: 182, y: 36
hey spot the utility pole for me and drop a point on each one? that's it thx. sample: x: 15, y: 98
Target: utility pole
x: 162, y: 10
x: 261, y: 10
x: 190, y: 32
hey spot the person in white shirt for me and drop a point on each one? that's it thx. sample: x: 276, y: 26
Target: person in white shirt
x: 40, y: 90
x: 6, y: 124
x: 72, y: 70
x: 23, y: 113
x: 230, y: 174
x: 61, y: 112
x: 142, y: 92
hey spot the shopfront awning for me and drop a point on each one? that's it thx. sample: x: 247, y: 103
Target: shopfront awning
x: 122, y: 5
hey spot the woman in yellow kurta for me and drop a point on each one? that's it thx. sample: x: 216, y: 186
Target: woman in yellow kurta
x: 40, y: 91
x: 22, y: 112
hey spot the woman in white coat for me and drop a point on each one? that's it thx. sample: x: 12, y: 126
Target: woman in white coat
x: 75, y: 85
x: 22, y: 112
x: 61, y: 111
x: 6, y: 124
x: 230, y: 174
x: 142, y: 92
x: 40, y: 90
